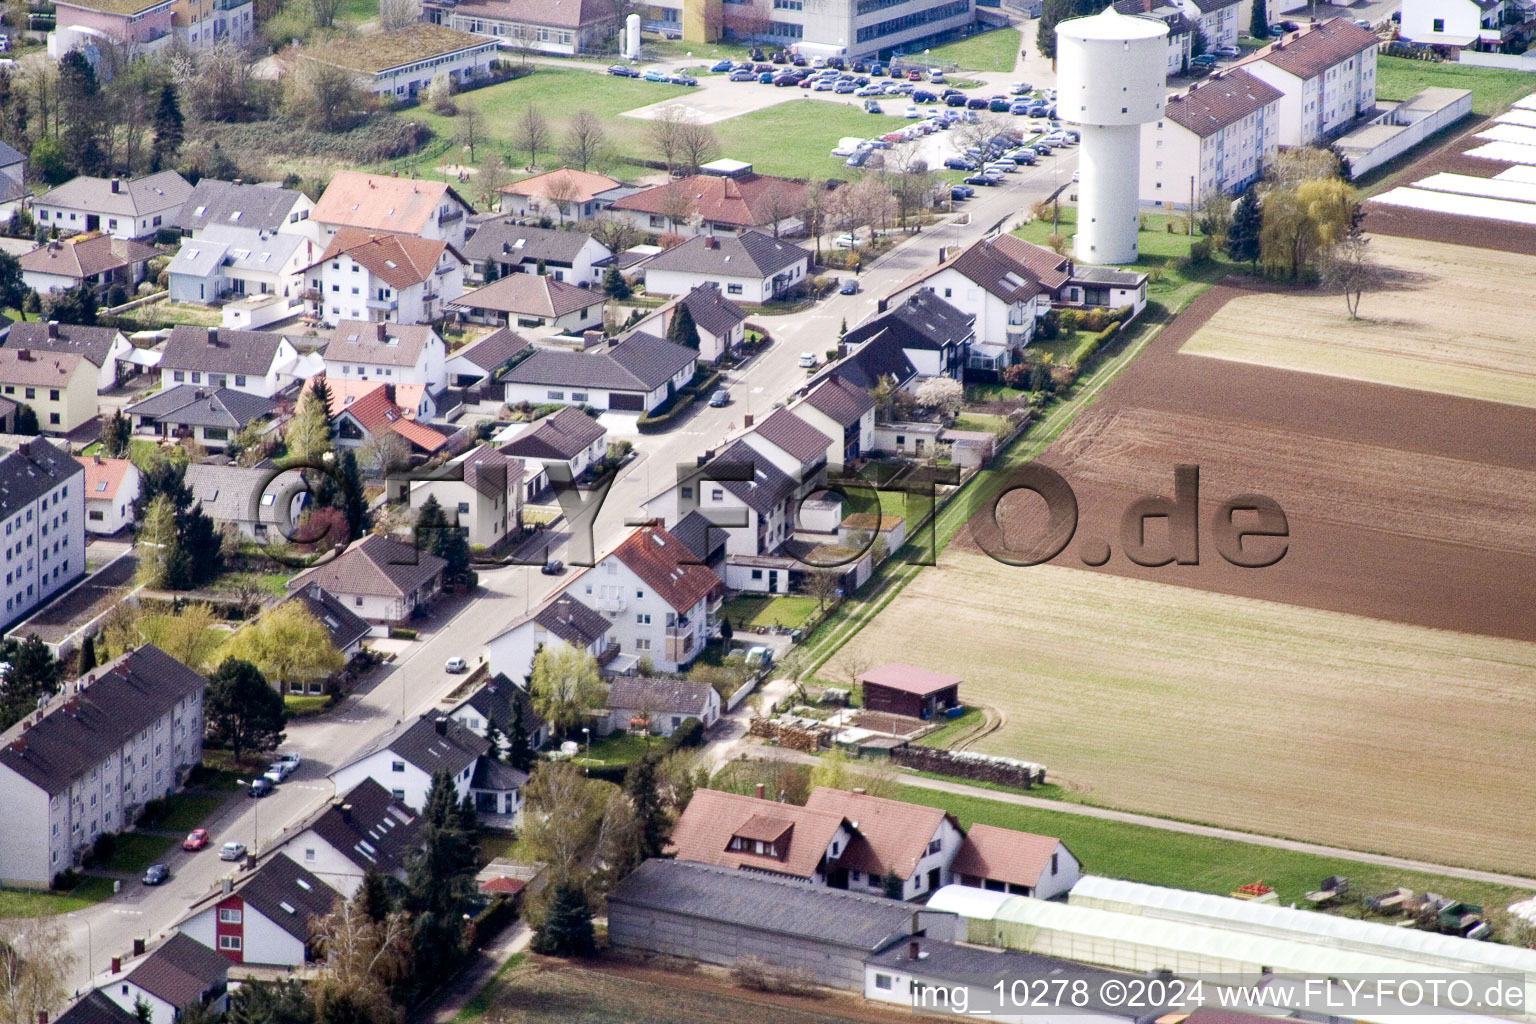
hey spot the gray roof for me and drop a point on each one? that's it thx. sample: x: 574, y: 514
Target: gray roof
x: 794, y: 436
x: 75, y: 735
x: 924, y: 321
x: 572, y: 621
x: 95, y: 1008
x: 840, y: 400
x: 288, y: 895
x: 641, y: 362
x: 495, y: 699
x: 878, y: 358
x: 1107, y: 275
x: 494, y: 350
x: 420, y: 743
x: 506, y: 242
x: 136, y: 197
x: 750, y: 254
x: 31, y: 471
x: 344, y: 627
x: 9, y: 156
x: 223, y: 203
x: 220, y: 350
x: 375, y: 565
x: 663, y: 696
x: 235, y: 247
x: 370, y: 828
x: 492, y: 775
x: 196, y: 405
x: 749, y: 899
x: 699, y: 535
x: 235, y: 494
x: 181, y: 971
x: 564, y: 435
x: 711, y: 311
x: 357, y: 341
x: 92, y: 343
x: 769, y: 485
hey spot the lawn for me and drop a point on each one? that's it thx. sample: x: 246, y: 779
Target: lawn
x: 1493, y: 89
x: 980, y: 422
x: 188, y: 811
x: 815, y: 127
x: 156, y: 313
x: 1160, y: 252
x: 300, y: 707
x: 559, y: 94
x: 274, y: 584
x: 997, y: 50
x: 618, y: 748
x: 26, y: 903
x: 153, y: 628
x: 355, y: 12
x: 779, y: 610
x: 678, y: 50
x: 1141, y: 853
x: 993, y: 393
x: 1067, y: 349
x: 137, y: 850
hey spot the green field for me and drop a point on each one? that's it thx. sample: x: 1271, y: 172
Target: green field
x: 677, y: 50
x: 997, y: 50
x: 815, y: 128
x: 1493, y: 89
x: 781, y: 610
x: 1157, y: 856
x: 25, y: 903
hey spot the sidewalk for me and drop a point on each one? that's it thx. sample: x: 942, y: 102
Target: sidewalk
x: 478, y: 974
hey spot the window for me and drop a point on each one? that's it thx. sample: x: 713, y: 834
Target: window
x: 555, y: 396
x: 642, y: 645
x: 1439, y: 25
x: 578, y: 396
x: 1054, y: 858
x: 53, y: 419
x: 935, y: 846
x: 716, y: 494
x: 642, y: 618
x: 463, y: 508
x: 883, y: 982
x: 397, y: 766
x: 757, y: 574
x: 733, y: 289
x: 229, y: 915
x: 309, y: 854
x: 239, y: 380
x: 53, y: 394
x: 31, y: 392
x: 398, y: 794
x: 231, y: 942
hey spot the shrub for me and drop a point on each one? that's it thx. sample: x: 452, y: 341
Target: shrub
x: 402, y: 633
x: 153, y: 812
x: 1068, y: 320
x: 103, y: 849
x: 66, y: 880
x: 1016, y: 376
x: 687, y: 736
x: 1200, y: 251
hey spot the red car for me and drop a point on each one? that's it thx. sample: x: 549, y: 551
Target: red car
x: 196, y: 839
x: 914, y: 76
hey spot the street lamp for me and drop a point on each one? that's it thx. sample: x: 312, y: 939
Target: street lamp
x: 588, y: 734
x: 90, y: 946
x: 256, y: 820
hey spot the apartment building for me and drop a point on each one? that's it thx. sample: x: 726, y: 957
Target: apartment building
x: 42, y: 514
x: 1326, y: 75
x: 1213, y: 140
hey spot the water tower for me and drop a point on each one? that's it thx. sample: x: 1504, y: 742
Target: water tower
x: 1111, y: 79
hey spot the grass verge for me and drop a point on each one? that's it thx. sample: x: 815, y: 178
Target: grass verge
x: 480, y: 1003
x: 997, y: 50
x: 24, y: 903
x: 188, y: 811
x: 1493, y: 89
x: 136, y: 851
x: 756, y: 612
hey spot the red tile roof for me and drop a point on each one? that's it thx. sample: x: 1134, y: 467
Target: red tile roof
x: 530, y: 295
x: 84, y: 256
x: 704, y: 830
x: 398, y: 260
x: 1018, y: 858
x: 376, y: 413
x: 909, y: 679
x: 379, y: 202
x: 570, y: 185
x: 757, y: 200
x: 894, y: 835
x: 1219, y: 101
x: 110, y: 472
x: 661, y: 561
x: 1308, y: 54
x: 503, y: 886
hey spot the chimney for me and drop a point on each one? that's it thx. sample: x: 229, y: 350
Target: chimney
x: 760, y: 792
x: 943, y: 253
x: 24, y: 355
x: 138, y: 947
x: 227, y: 886
x: 42, y: 1017
x: 711, y: 242
x: 117, y: 965
x: 746, y: 420
x: 442, y: 726
x: 53, y: 328
x: 389, y: 392
x: 97, y: 458
x: 117, y: 184
x: 346, y: 813
x: 591, y: 339
x: 20, y: 746
x: 914, y: 950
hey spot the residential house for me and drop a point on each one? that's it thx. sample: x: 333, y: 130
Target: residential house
x: 13, y: 180
x: 346, y: 630
x: 660, y: 601
x: 178, y: 975
x: 561, y: 621
x: 1498, y: 26
x: 364, y: 829
x: 95, y: 1008
x: 402, y: 206
x: 569, y: 439
x: 720, y: 915
x: 759, y: 836
x: 13, y: 164
x: 531, y: 300
x: 210, y: 416
x: 867, y: 365
x: 261, y: 503
x: 751, y: 267
x: 60, y: 387
x: 482, y: 362
x: 727, y: 199
x: 720, y: 322
x: 123, y: 208
x: 105, y: 348
x: 845, y: 414
x: 798, y: 449
x: 224, y: 205
x: 405, y: 760
x: 1019, y: 863
x: 259, y: 363
x: 382, y: 580
x: 1003, y: 283
x: 659, y: 706
x: 499, y: 699
x: 1220, y: 21
x: 98, y: 260
x: 393, y: 353
x: 566, y: 27
x: 201, y: 25
x: 362, y: 411
x: 235, y: 261
x: 703, y: 539
x: 860, y: 528
x: 398, y: 64
x: 368, y: 275
x: 636, y: 374
x: 126, y: 734
x: 934, y: 335
x: 111, y: 488
x: 898, y: 689
x: 267, y: 917
x: 481, y: 492
x: 139, y: 27
x: 1326, y: 76
x: 1181, y: 30
x: 501, y: 247
x: 915, y: 843
x: 565, y: 192
x: 1216, y: 139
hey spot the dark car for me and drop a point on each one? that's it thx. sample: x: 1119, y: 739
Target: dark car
x: 877, y: 70
x: 1042, y: 149
x: 983, y: 179
x: 961, y: 192
x: 743, y: 65
x: 762, y: 67
x: 860, y: 68
x: 998, y: 105
x: 1025, y: 157
x: 780, y: 81
x: 954, y: 99
x: 720, y: 398
x: 156, y: 873
x: 923, y: 96
x: 721, y: 65
x: 798, y: 61
x: 836, y: 62
x: 976, y: 103
x: 806, y: 83
x: 262, y: 787
x: 779, y: 57
x: 850, y: 286
x: 553, y: 567
x: 1290, y: 26
x: 683, y: 80
x: 756, y: 53
x: 623, y: 71
x: 960, y: 163
x: 743, y: 76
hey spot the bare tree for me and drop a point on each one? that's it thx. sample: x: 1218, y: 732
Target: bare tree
x: 395, y: 14
x: 471, y: 128
x: 665, y: 127
x: 560, y: 193
x: 585, y: 140
x: 823, y: 585
x: 872, y: 201
x: 325, y: 96
x: 530, y: 133
x: 489, y: 179
x: 35, y: 960
x: 617, y: 233
x: 438, y: 97
x: 908, y: 178
x: 676, y: 205
x: 523, y: 42
x: 1351, y: 268
x: 697, y: 144
x: 385, y: 452
x: 324, y: 12
x: 783, y: 203
x: 817, y: 197
x: 850, y: 665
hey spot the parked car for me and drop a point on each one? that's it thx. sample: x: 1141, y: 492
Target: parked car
x: 1041, y: 149
x: 819, y: 62
x: 806, y: 83
x: 196, y: 839
x: 911, y: 111
x: 456, y: 665
x: 1025, y: 157
x: 807, y: 361
x: 914, y: 75
x: 798, y: 61
x: 858, y: 159
x: 721, y: 65
x: 1205, y: 60
x: 1289, y: 26
x: 844, y: 87
x: 1077, y: 175
x: 292, y: 758
x: 683, y: 80
x: 654, y: 76
x: 850, y: 286
x: 935, y: 77
x: 960, y: 163
x: 983, y: 179
x: 924, y: 96
x: 156, y: 873
x: 231, y: 851
x: 836, y: 62
x: 282, y: 769
x: 1021, y: 89
x: 743, y: 76
x: 622, y: 71
x: 1363, y: 23
x: 273, y: 774
x: 262, y: 787
x: 780, y: 81
x: 756, y: 53
x: 1021, y: 109
x: 999, y: 104
x: 778, y: 57
x: 720, y: 398
x: 822, y: 85
x: 877, y: 69
x: 872, y: 107
x: 553, y: 567
x: 954, y: 99
x: 961, y: 192
x: 976, y: 103
x: 871, y: 90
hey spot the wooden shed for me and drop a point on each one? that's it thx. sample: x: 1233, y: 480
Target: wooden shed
x: 907, y: 690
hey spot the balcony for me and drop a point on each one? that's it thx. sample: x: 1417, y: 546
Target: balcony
x: 679, y: 645
x: 610, y: 604
x: 383, y: 305
x: 450, y: 216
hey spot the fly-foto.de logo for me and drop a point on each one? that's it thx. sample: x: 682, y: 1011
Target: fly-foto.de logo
x: 1248, y: 530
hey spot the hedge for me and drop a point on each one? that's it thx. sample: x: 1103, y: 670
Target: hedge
x: 701, y: 386
x: 649, y: 424
x: 687, y: 735
x: 401, y: 633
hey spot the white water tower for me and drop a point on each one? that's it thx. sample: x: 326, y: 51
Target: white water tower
x: 1111, y: 79
x: 632, y: 37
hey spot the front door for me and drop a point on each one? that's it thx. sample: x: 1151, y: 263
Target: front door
x: 933, y: 879
x: 92, y: 222
x: 837, y: 878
